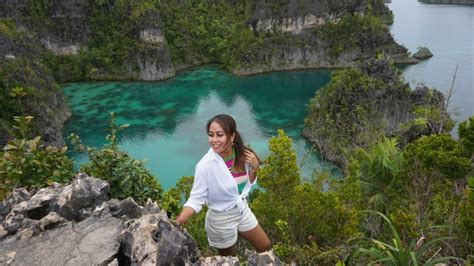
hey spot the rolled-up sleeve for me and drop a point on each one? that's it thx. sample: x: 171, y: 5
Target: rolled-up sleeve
x: 247, y: 167
x: 199, y: 192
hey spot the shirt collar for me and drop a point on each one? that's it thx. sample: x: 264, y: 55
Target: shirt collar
x: 214, y: 156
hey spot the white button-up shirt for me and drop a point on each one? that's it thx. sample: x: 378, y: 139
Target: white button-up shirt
x: 214, y: 184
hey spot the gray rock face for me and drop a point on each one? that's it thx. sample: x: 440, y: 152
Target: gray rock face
x: 422, y: 53
x: 261, y: 259
x: 67, y: 29
x: 301, y: 46
x: 92, y: 241
x: 154, y: 63
x: 295, y: 15
x: 153, y: 59
x: 153, y: 240
x: 218, y: 261
x: 78, y: 225
x: 84, y: 192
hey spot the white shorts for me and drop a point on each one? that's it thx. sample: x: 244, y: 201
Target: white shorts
x: 222, y: 227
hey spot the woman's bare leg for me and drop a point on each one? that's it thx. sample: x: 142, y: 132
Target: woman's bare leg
x: 257, y: 238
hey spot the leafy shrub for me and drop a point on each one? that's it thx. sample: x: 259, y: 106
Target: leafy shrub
x: 27, y: 163
x: 439, y: 154
x: 380, y: 165
x: 304, y: 221
x: 127, y: 177
x: 174, y: 198
x: 397, y: 253
x: 467, y: 217
x: 466, y: 134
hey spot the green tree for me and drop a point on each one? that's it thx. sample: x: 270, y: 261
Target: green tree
x: 380, y: 167
x: 25, y: 162
x: 280, y: 172
x: 466, y: 135
x: 278, y: 176
x: 127, y: 177
x: 439, y: 154
x: 305, y: 222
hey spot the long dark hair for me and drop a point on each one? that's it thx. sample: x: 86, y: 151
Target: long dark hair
x: 230, y: 127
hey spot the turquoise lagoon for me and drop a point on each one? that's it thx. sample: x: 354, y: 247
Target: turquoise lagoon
x: 167, y: 119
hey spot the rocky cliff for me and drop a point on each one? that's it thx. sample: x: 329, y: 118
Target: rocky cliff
x: 74, y: 29
x: 21, y: 67
x: 319, y: 34
x: 77, y: 224
x: 294, y: 16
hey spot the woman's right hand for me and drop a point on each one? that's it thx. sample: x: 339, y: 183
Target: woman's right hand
x: 179, y: 220
x: 184, y: 215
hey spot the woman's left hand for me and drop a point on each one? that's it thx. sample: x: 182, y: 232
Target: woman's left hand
x: 251, y: 159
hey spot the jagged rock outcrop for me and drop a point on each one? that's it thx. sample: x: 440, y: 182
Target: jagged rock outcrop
x: 422, y: 53
x: 77, y: 224
x: 21, y: 66
x: 62, y: 26
x: 43, y: 100
x: 153, y: 58
x: 66, y: 27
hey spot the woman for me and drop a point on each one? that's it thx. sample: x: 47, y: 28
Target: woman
x: 223, y: 179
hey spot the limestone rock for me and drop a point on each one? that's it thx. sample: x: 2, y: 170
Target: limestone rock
x: 82, y: 193
x: 76, y: 225
x: 3, y: 232
x: 50, y: 220
x: 92, y: 241
x: 423, y: 53
x: 261, y: 259
x: 153, y: 240
x: 18, y: 195
x: 127, y: 207
x: 218, y: 261
x: 151, y: 207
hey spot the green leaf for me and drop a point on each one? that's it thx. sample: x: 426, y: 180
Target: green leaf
x: 10, y: 147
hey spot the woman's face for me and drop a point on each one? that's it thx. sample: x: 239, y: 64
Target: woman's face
x: 218, y: 140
